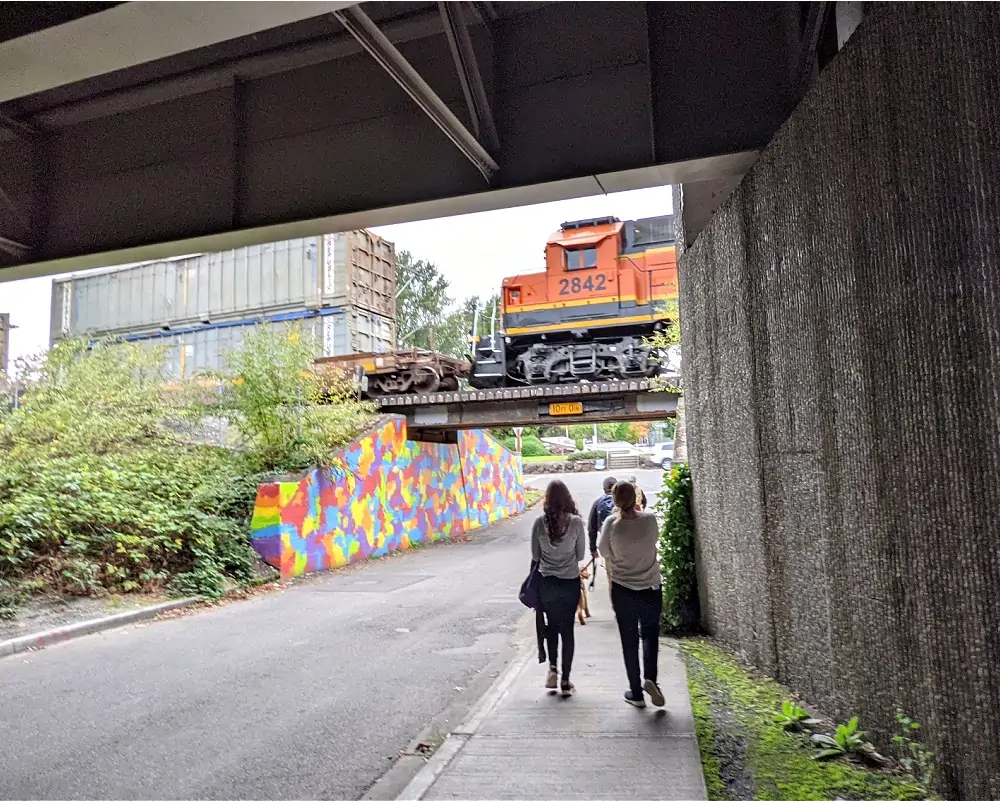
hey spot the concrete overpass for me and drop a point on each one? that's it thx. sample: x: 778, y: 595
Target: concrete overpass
x: 210, y: 125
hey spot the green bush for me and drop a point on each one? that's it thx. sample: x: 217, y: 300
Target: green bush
x: 97, y: 494
x: 585, y: 456
x: 290, y: 416
x: 530, y: 445
x: 677, y: 556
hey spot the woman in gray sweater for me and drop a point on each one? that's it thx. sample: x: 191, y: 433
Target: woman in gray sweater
x: 628, y: 545
x: 558, y: 544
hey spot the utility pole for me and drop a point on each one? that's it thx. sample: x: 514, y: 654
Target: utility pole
x: 5, y: 329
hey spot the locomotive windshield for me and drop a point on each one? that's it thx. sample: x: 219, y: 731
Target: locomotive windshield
x: 581, y: 258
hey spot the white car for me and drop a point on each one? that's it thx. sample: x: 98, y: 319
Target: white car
x: 662, y: 454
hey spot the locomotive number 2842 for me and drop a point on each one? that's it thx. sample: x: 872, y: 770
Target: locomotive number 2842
x: 573, y: 286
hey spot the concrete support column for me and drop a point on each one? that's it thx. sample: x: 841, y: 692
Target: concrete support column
x: 842, y: 381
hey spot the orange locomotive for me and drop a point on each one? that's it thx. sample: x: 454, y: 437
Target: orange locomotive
x: 605, y: 287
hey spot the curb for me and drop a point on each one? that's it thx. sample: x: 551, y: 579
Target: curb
x: 43, y: 639
x: 455, y: 742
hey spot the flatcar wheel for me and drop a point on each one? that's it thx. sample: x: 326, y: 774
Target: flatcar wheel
x: 426, y: 381
x: 449, y: 384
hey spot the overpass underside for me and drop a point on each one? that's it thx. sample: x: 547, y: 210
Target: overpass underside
x: 212, y: 125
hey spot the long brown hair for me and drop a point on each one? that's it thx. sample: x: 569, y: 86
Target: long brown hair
x: 559, y: 505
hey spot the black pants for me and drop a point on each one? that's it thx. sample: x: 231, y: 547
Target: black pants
x: 541, y: 632
x: 638, y: 614
x: 559, y: 599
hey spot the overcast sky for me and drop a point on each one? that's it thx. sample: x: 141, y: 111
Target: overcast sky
x: 474, y: 252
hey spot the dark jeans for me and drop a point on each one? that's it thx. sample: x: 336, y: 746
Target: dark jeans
x: 638, y: 614
x: 559, y: 599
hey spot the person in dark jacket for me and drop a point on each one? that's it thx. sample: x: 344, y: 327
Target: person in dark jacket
x: 599, y: 512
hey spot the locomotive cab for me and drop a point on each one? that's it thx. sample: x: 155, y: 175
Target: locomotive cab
x: 585, y: 317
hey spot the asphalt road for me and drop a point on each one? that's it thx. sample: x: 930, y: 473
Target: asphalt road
x: 585, y: 487
x: 307, y: 693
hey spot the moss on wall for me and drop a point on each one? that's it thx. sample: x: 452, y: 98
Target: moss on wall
x: 746, y: 756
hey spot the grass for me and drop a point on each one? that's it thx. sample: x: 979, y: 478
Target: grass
x: 547, y: 458
x: 745, y: 755
x: 532, y: 496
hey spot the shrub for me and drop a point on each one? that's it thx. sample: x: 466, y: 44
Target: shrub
x: 585, y: 456
x: 530, y: 445
x: 676, y: 546
x: 97, y: 494
x: 289, y: 415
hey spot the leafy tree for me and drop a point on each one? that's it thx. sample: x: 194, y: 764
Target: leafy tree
x: 451, y: 335
x: 421, y: 301
x: 427, y: 315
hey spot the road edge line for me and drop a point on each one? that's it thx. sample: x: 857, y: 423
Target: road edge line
x: 453, y: 744
x: 43, y: 639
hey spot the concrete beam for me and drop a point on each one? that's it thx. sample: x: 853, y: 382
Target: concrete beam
x: 136, y: 33
x: 734, y: 165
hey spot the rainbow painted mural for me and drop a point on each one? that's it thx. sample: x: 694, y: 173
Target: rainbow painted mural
x: 392, y: 493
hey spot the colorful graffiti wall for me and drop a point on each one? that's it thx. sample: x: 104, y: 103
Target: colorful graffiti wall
x: 390, y: 494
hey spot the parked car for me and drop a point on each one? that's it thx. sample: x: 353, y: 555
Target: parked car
x: 662, y: 454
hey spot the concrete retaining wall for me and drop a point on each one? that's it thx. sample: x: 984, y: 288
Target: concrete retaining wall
x: 390, y: 493
x: 841, y: 321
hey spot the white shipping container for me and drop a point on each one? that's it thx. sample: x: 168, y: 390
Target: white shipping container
x: 352, y: 331
x: 356, y: 268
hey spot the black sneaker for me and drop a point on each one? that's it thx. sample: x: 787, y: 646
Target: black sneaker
x: 655, y: 693
x: 637, y: 701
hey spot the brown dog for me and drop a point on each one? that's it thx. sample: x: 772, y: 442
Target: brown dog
x: 583, y: 606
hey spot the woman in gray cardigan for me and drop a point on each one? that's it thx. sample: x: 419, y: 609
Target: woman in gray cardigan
x: 558, y: 544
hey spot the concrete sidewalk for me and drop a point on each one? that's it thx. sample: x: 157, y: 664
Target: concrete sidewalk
x: 523, y: 743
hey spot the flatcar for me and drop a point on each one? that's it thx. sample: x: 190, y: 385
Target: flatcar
x: 606, y: 287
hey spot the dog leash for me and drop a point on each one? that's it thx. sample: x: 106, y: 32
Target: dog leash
x: 593, y: 574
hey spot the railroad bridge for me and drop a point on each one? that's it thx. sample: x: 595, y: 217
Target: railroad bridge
x: 430, y: 416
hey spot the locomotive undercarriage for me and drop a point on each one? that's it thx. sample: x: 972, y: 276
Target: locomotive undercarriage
x: 595, y: 360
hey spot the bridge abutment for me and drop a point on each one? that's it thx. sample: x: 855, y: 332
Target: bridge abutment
x: 841, y: 346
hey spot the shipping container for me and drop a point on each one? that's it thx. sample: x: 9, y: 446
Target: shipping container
x: 192, y: 350
x: 356, y: 269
